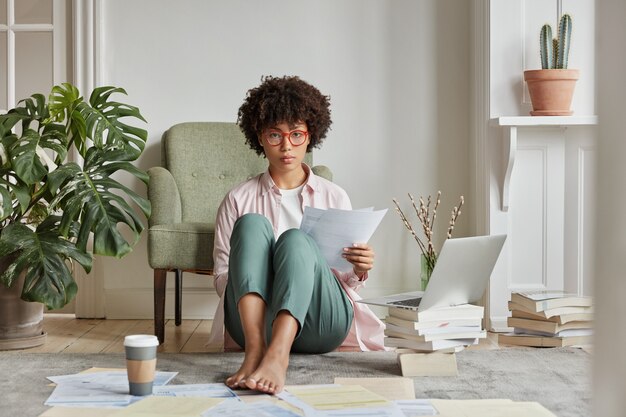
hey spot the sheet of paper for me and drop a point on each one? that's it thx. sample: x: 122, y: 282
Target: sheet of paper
x: 258, y: 409
x: 416, y: 408
x: 118, y: 377
x: 336, y: 229
x: 490, y: 408
x: 390, y: 388
x: 97, y: 389
x: 168, y: 407
x: 195, y: 390
x: 249, y: 396
x: 89, y: 395
x: 335, y: 397
x: 95, y: 369
x: 388, y: 411
x: 78, y: 412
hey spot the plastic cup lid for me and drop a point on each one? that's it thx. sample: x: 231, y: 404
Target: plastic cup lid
x: 141, y: 340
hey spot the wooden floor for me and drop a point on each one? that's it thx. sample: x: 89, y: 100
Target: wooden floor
x: 68, y: 334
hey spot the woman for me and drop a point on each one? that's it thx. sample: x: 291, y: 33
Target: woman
x: 278, y: 293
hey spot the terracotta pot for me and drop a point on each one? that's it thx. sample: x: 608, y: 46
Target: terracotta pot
x: 21, y: 322
x: 551, y: 91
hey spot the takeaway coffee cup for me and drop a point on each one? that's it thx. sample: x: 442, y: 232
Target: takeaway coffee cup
x: 141, y: 352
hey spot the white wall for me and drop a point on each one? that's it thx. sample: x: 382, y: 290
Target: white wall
x: 396, y: 72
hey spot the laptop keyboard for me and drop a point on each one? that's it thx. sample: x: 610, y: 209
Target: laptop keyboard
x: 409, y: 302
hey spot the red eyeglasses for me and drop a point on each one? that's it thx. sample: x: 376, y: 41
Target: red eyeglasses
x: 275, y: 137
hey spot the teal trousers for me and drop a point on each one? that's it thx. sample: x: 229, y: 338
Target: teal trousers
x: 288, y: 274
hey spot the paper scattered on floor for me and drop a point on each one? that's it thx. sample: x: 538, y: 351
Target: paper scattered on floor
x: 168, y: 407
x: 110, y: 389
x: 195, y: 390
x: 263, y: 408
x: 396, y: 388
x: 337, y: 397
x: 104, y: 393
x: 338, y: 401
x: 490, y: 408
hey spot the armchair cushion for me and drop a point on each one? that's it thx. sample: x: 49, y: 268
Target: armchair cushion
x: 164, y: 197
x: 181, y: 246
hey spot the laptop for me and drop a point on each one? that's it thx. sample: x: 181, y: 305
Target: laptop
x: 460, y: 275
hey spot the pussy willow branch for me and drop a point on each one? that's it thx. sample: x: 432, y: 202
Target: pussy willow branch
x: 421, y: 215
x: 456, y: 211
x: 432, y: 222
x: 427, y: 220
x: 409, y: 226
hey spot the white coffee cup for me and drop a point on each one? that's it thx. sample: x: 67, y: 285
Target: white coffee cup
x: 141, y: 352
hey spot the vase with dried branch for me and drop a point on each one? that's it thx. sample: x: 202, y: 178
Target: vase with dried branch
x: 426, y: 213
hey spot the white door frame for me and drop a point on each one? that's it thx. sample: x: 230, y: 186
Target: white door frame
x: 87, y: 48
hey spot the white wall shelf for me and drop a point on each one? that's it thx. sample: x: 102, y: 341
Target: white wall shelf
x: 512, y: 123
x: 530, y: 121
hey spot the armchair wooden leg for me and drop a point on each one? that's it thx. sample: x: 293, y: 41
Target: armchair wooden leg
x: 178, y: 302
x: 160, y: 279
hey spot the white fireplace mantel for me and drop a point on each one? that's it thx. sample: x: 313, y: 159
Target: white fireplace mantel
x: 510, y: 126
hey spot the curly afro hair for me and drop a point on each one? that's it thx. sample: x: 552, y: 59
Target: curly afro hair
x: 284, y: 100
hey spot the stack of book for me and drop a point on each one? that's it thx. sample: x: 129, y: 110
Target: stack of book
x: 447, y: 329
x: 549, y: 318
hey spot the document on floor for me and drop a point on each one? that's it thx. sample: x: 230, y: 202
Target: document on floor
x: 97, y: 389
x: 217, y: 390
x: 338, y: 401
x: 335, y: 229
x: 262, y: 408
x: 395, y: 388
x: 490, y: 408
x: 168, y: 407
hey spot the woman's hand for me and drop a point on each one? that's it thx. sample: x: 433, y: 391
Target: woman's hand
x: 361, y: 256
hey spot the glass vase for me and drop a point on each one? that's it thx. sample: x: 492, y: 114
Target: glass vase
x: 425, y: 272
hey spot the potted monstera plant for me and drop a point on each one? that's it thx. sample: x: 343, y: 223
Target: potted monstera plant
x: 59, y: 200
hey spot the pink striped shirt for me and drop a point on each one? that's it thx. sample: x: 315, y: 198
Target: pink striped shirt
x: 260, y: 195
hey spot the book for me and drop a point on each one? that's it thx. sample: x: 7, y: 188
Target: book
x: 562, y: 333
x: 542, y: 341
x: 535, y: 301
x: 427, y: 346
x: 463, y: 311
x: 552, y: 311
x: 436, y: 330
x: 481, y: 334
x: 455, y: 349
x: 428, y: 364
x: 560, y: 319
x: 417, y: 325
x: 546, y: 326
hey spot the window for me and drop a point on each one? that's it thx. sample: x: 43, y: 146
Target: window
x: 33, y: 48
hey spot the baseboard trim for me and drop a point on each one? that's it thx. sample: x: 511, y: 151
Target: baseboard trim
x: 499, y: 325
x: 137, y: 303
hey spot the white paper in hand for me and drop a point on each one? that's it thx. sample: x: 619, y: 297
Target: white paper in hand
x: 335, y: 229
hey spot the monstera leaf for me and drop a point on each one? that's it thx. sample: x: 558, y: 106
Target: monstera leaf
x: 105, y: 128
x: 28, y: 154
x: 43, y: 254
x: 92, y: 198
x: 64, y: 101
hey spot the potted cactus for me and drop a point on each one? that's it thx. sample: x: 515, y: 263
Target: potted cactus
x: 552, y: 87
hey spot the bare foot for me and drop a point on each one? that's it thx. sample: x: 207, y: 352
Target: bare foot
x: 270, y: 376
x: 251, y: 361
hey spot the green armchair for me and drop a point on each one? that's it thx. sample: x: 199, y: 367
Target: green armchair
x: 200, y: 163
